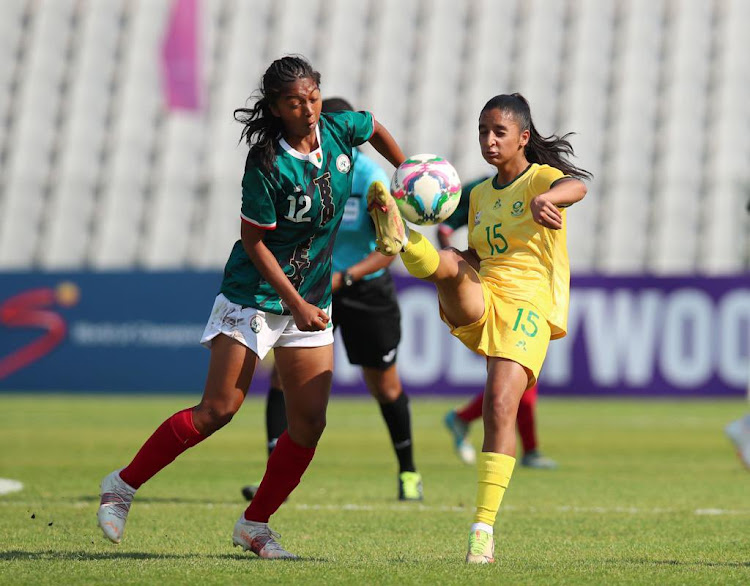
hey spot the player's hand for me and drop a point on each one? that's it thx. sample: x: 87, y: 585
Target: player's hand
x: 337, y: 281
x: 546, y: 213
x: 309, y: 318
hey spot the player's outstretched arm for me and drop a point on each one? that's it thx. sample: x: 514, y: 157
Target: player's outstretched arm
x: 386, y: 145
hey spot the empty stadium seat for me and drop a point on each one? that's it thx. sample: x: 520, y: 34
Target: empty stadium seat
x: 97, y: 172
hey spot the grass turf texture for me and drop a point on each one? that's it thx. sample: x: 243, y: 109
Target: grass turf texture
x: 647, y: 492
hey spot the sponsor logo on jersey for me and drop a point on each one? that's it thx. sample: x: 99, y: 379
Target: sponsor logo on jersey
x: 498, y: 204
x: 477, y: 218
x: 256, y: 323
x: 343, y: 164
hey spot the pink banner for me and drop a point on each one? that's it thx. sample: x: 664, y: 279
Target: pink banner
x: 180, y: 63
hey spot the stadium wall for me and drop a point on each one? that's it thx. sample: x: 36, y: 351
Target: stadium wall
x: 139, y: 332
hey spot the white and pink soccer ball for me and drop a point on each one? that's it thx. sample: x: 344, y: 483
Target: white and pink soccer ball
x: 426, y: 189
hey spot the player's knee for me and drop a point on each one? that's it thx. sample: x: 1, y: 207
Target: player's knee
x: 386, y: 393
x: 450, y: 253
x: 210, y: 417
x: 307, y: 430
x: 449, y: 258
x: 501, y: 409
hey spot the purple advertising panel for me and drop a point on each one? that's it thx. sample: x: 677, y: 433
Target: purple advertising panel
x: 640, y: 336
x: 653, y: 337
x: 139, y: 332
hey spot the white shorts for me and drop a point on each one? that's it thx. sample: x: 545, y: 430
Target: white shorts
x: 259, y: 330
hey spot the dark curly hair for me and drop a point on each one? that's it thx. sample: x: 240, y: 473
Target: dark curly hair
x: 261, y: 127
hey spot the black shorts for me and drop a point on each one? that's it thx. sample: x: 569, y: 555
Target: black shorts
x: 369, y: 318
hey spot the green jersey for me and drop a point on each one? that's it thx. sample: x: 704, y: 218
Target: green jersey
x: 301, y: 203
x: 460, y: 217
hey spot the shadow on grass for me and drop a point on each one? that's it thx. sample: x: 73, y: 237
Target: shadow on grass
x: 18, y: 555
x: 685, y: 563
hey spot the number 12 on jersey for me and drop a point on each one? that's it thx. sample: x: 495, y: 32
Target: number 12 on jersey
x: 298, y: 215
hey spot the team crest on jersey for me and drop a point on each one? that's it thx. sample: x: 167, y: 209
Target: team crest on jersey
x: 343, y: 164
x: 477, y: 218
x: 517, y: 209
x: 498, y: 204
x: 256, y: 323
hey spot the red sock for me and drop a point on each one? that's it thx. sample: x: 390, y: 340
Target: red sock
x: 472, y: 410
x: 525, y: 420
x: 171, y: 438
x: 286, y: 465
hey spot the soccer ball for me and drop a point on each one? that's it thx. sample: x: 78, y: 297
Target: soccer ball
x: 426, y: 189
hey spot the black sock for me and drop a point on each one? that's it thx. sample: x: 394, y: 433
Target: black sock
x: 398, y: 419
x: 275, y: 417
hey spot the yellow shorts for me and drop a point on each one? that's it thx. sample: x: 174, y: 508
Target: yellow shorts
x: 510, y: 329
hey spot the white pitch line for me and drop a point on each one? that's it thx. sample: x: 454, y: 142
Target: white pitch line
x: 410, y: 508
x: 7, y: 486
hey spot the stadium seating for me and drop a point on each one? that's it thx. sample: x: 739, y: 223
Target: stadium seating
x: 96, y: 172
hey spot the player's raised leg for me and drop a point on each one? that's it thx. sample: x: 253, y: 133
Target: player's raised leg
x: 230, y: 373
x: 306, y: 375
x: 457, y: 281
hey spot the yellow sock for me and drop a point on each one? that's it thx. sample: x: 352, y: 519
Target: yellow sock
x: 495, y: 471
x: 419, y: 256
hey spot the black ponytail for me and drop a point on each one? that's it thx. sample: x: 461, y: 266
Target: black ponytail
x: 546, y: 150
x: 262, y: 128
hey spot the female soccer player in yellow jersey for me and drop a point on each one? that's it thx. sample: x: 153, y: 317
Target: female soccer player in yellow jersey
x: 507, y: 295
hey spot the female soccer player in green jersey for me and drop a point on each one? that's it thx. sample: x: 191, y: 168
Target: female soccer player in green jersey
x: 276, y: 293
x: 367, y: 314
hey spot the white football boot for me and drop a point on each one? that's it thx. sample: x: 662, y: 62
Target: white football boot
x: 260, y: 539
x: 116, y: 498
x: 481, y: 548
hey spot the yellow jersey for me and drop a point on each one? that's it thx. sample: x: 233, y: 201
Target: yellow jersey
x: 520, y: 259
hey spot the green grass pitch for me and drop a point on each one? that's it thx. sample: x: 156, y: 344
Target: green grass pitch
x: 647, y: 493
